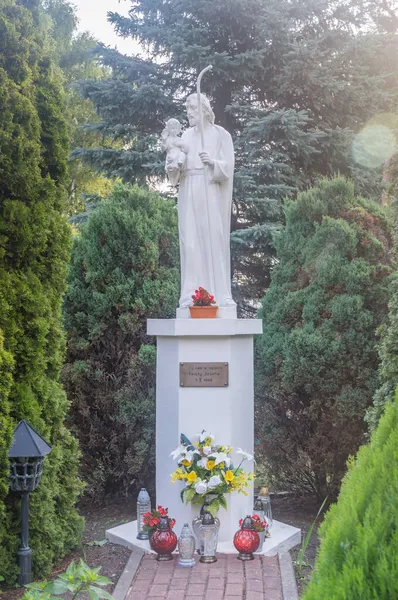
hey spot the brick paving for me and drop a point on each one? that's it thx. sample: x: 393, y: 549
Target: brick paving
x: 227, y: 579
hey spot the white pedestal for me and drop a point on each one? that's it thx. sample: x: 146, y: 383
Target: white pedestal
x: 228, y: 412
x: 283, y: 538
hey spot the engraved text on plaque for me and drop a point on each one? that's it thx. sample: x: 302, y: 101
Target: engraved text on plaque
x: 204, y: 374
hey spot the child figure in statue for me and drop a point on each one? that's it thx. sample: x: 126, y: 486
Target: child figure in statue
x: 173, y: 145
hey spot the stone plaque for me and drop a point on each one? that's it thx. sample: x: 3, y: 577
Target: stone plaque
x: 204, y: 374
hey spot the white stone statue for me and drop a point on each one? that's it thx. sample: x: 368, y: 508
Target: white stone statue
x: 173, y: 145
x: 204, y: 172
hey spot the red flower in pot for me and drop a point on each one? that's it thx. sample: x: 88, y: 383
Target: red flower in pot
x: 204, y: 305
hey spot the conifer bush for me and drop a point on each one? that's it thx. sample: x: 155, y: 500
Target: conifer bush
x: 124, y: 270
x: 357, y: 559
x: 34, y: 251
x: 317, y: 361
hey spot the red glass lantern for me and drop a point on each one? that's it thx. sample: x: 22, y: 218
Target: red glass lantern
x: 164, y: 540
x: 246, y: 540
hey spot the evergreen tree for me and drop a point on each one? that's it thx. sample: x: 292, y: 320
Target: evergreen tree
x: 291, y: 81
x: 72, y: 53
x: 124, y: 270
x: 317, y: 359
x: 34, y: 252
x: 359, y: 536
x: 388, y: 347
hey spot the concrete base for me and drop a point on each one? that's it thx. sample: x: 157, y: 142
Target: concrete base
x: 283, y: 538
x: 227, y: 412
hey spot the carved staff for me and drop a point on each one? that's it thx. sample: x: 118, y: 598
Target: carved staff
x: 206, y: 179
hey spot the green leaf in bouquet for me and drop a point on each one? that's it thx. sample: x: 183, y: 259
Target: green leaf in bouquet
x: 189, y: 495
x: 223, y: 502
x: 214, y: 507
x: 183, y: 492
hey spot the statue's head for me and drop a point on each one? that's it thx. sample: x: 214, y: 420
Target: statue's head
x: 192, y: 109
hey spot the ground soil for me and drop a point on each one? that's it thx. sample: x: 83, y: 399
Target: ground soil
x: 95, y: 551
x: 299, y: 512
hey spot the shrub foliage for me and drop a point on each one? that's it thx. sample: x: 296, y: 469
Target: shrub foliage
x: 359, y: 537
x: 34, y: 251
x: 317, y: 359
x: 123, y: 271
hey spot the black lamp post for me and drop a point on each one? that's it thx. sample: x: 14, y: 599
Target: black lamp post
x: 26, y: 455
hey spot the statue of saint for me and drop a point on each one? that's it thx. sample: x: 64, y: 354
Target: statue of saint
x: 204, y: 207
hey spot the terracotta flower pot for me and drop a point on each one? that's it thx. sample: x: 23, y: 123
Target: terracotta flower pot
x: 203, y: 312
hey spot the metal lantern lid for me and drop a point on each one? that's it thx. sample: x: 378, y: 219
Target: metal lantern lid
x: 208, y: 519
x: 248, y: 523
x: 258, y: 505
x: 164, y: 524
x: 27, y: 443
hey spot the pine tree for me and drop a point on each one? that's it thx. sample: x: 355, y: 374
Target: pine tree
x: 359, y: 536
x: 317, y: 359
x: 72, y: 53
x: 123, y: 271
x: 291, y: 81
x: 34, y: 253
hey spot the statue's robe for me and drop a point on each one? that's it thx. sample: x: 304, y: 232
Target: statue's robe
x: 204, y: 227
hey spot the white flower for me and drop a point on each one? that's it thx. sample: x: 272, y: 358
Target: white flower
x: 214, y: 482
x: 190, y: 454
x: 178, y: 452
x: 201, y: 487
x: 204, y: 435
x: 202, y: 463
x: 246, y: 455
x: 221, y: 457
x: 206, y: 450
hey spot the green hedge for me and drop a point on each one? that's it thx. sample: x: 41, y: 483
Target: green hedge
x: 34, y: 253
x: 358, y: 557
x: 317, y: 360
x: 124, y: 270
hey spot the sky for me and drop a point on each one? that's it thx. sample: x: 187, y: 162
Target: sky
x: 92, y: 17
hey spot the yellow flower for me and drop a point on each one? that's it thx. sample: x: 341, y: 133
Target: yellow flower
x: 229, y: 476
x: 187, y: 463
x: 177, y: 476
x: 191, y: 477
x: 221, y: 465
x: 211, y: 464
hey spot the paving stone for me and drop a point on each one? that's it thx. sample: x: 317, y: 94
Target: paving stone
x: 255, y: 596
x: 234, y: 589
x: 196, y: 589
x: 158, y: 590
x: 175, y: 595
x: 255, y: 585
x: 272, y: 583
x: 215, y: 595
x: 228, y: 579
x: 216, y: 583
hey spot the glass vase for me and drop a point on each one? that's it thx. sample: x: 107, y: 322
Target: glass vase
x: 143, y: 506
x: 186, y: 547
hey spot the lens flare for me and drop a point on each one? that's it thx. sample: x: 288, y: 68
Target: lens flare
x: 376, y: 142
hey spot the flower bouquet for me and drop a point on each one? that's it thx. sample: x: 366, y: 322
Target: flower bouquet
x: 204, y: 305
x: 208, y: 472
x: 151, y: 519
